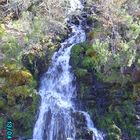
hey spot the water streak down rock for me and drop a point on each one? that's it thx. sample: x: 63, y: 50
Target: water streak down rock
x: 57, y: 91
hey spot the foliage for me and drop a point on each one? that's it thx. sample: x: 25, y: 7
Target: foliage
x: 80, y: 72
x: 118, y: 49
x: 112, y: 46
x: 2, y: 123
x: 12, y: 51
x: 119, y: 119
x: 2, y: 30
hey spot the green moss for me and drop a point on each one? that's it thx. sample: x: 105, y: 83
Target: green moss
x: 76, y: 51
x: 2, y: 103
x: 23, y: 115
x: 116, y: 130
x: 19, y: 90
x: 113, y: 136
x: 105, y: 55
x: 2, y: 123
x: 4, y: 72
x: 121, y: 110
x: 31, y: 58
x: 119, y: 119
x: 105, y: 121
x: 91, y: 35
x: 2, y: 30
x: 12, y: 50
x: 20, y: 77
x: 136, y: 90
x: 87, y: 63
x: 80, y: 73
x: 84, y: 90
x: 23, y: 91
x: 16, y: 115
x: 35, y: 104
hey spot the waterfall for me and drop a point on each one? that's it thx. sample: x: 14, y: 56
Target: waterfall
x: 57, y: 90
x: 96, y: 134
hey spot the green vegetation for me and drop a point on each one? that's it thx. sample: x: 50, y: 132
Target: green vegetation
x: 19, y: 98
x: 28, y: 39
x: 110, y: 57
x: 107, y: 65
x: 119, y: 120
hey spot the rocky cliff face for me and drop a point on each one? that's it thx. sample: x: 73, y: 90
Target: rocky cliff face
x: 114, y: 109
x: 107, y: 82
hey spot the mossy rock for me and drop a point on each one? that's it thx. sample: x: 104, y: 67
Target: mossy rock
x: 19, y: 78
x: 112, y: 136
x: 2, y: 82
x: 2, y: 26
x: 2, y: 123
x: 87, y: 63
x: 91, y: 52
x: 4, y: 72
x: 84, y: 90
x: 35, y: 103
x: 113, y: 128
x: 19, y: 91
x: 136, y: 90
x: 2, y: 103
x: 11, y: 100
x: 36, y: 63
x: 90, y: 20
x: 23, y: 116
x: 16, y: 115
x: 76, y: 51
x: 20, y: 99
x: 105, y: 121
x: 80, y: 73
x: 91, y: 35
x: 23, y: 91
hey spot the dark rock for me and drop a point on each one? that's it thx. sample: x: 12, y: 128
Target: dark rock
x: 136, y: 75
x: 123, y: 31
x: 3, y: 2
x: 87, y: 29
x: 29, y: 101
x: 75, y: 20
x: 82, y: 131
x: 90, y: 21
x: 36, y: 64
x: 84, y: 15
x: 138, y: 123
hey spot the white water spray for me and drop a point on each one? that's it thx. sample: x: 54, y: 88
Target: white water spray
x: 55, y: 121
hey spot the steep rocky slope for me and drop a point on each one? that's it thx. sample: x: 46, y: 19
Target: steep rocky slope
x: 107, y: 68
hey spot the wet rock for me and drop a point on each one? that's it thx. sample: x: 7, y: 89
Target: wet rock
x: 75, y: 20
x: 82, y: 132
x: 37, y: 64
x: 112, y: 136
x: 136, y: 75
x: 138, y: 124
x: 4, y: 71
x: 84, y: 15
x: 29, y: 101
x: 3, y: 2
x: 87, y: 29
x: 123, y: 31
x: 105, y: 101
x: 90, y: 21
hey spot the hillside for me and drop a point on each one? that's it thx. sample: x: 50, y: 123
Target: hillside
x: 106, y: 65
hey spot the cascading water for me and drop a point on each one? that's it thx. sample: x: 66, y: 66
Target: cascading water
x: 55, y: 121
